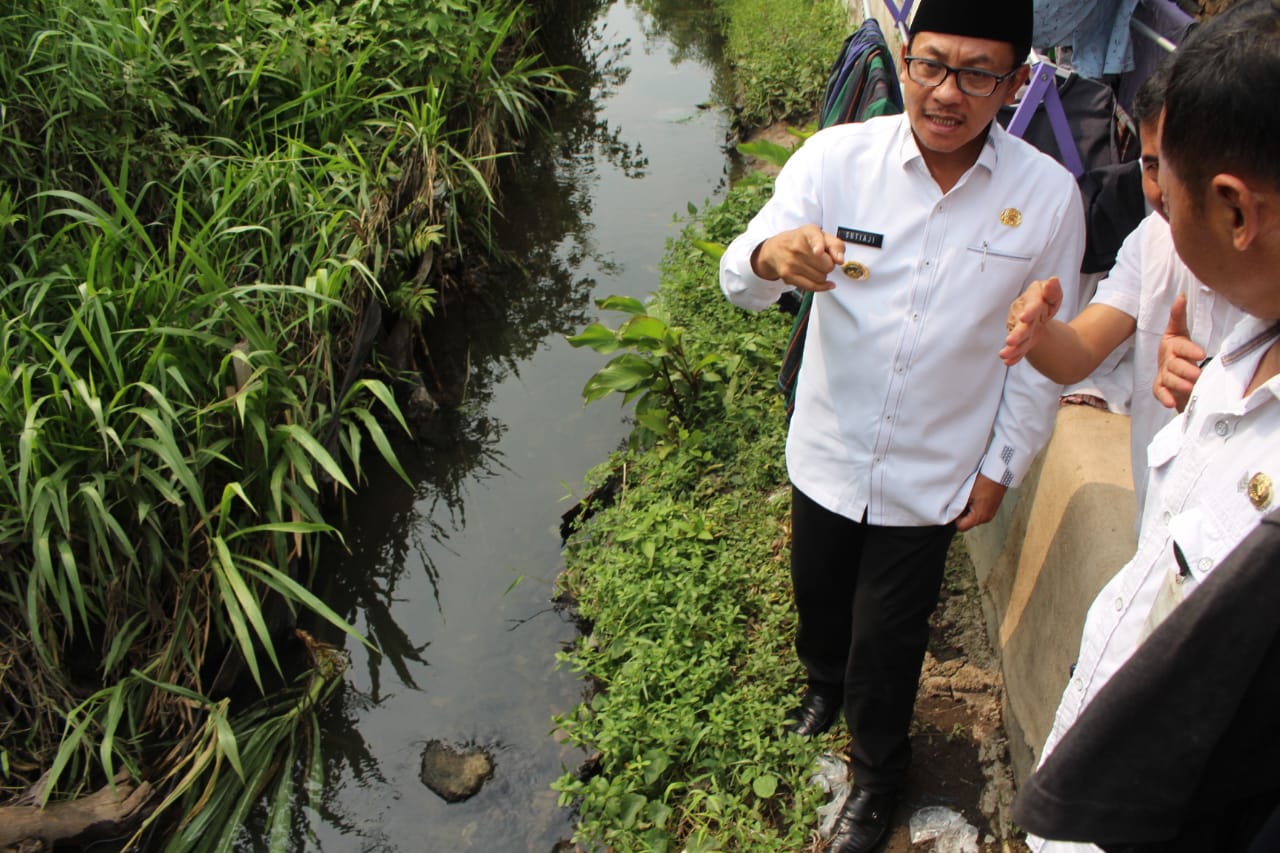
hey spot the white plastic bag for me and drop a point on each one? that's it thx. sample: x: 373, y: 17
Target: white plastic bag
x: 832, y: 774
x: 947, y: 828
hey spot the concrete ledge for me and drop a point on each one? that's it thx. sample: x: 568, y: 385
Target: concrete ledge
x: 1056, y: 540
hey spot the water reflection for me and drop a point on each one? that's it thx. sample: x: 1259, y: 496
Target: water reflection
x: 451, y: 578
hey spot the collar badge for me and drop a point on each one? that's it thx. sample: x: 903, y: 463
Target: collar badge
x: 1260, y: 491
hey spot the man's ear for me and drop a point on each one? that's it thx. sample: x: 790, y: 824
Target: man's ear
x: 1238, y: 206
x: 1016, y: 83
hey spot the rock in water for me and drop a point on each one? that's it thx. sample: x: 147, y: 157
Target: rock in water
x: 455, y: 773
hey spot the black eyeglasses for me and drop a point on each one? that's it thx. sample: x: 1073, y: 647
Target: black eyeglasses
x: 972, y: 81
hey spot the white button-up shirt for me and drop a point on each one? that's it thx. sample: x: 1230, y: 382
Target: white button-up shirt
x: 902, y: 399
x: 1202, y: 466
x: 1147, y: 277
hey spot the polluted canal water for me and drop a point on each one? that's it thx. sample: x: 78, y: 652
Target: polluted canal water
x: 452, y: 580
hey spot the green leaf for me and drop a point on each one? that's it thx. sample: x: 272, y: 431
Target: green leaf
x: 710, y: 248
x: 624, y: 373
x: 316, y: 451
x: 597, y: 336
x: 630, y: 807
x: 656, y: 763
x: 770, y: 152
x: 72, y: 739
x: 621, y: 303
x: 227, y: 738
x: 291, y: 589
x: 381, y: 442
x: 765, y: 785
x: 645, y: 333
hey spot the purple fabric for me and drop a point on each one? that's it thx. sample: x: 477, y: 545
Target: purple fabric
x: 1043, y: 89
x: 1167, y: 19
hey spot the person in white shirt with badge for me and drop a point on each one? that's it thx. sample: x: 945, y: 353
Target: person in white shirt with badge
x: 915, y: 232
x: 1132, y: 304
x: 1214, y: 469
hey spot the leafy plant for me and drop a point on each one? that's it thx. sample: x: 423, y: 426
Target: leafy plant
x: 686, y: 610
x: 662, y: 375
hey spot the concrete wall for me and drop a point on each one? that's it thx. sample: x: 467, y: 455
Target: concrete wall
x: 1056, y: 540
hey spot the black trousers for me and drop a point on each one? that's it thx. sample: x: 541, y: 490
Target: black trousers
x: 864, y: 595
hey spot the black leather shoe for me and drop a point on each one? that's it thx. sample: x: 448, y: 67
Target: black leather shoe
x: 863, y: 822
x: 815, y: 715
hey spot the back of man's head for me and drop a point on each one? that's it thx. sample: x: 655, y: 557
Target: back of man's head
x: 1221, y: 113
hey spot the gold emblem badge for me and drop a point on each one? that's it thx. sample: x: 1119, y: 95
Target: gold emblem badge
x: 1260, y: 490
x: 1011, y: 216
x: 856, y: 271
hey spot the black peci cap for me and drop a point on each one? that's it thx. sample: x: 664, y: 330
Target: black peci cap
x: 998, y: 20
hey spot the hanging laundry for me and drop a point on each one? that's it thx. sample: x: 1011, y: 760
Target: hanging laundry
x: 1098, y: 33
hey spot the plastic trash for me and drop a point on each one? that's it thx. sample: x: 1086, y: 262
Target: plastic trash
x: 832, y: 775
x: 947, y: 828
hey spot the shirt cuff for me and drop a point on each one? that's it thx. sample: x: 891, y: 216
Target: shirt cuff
x: 742, y: 286
x: 1004, y: 464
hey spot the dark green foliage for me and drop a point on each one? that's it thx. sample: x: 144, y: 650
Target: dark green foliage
x: 200, y: 199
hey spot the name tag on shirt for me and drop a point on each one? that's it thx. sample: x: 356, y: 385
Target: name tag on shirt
x: 862, y: 238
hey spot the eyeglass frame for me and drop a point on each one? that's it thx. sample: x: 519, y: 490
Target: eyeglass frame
x: 949, y: 70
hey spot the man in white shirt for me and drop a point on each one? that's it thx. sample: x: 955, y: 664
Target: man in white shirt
x: 1132, y: 303
x: 915, y: 232
x: 1215, y: 469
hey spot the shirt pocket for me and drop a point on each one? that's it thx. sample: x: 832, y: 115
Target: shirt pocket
x: 1201, y: 541
x: 1165, y: 443
x: 989, y: 257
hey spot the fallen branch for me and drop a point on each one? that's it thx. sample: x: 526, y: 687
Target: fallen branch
x: 109, y: 812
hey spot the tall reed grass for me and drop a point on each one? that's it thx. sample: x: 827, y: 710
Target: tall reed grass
x: 197, y: 201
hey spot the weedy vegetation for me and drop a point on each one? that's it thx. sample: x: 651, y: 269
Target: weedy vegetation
x: 681, y: 582
x: 199, y: 201
x: 683, y: 589
x: 781, y: 52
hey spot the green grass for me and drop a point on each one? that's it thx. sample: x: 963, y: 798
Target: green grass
x: 781, y: 53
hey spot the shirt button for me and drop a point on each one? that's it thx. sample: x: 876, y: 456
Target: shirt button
x: 1222, y: 427
x: 1168, y: 516
x: 1119, y: 604
x: 1205, y: 564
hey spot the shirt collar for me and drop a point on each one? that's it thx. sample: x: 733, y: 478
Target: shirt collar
x: 909, y: 149
x: 1248, y: 335
x: 1251, y: 336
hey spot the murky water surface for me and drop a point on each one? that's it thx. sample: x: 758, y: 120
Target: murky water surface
x: 452, y: 579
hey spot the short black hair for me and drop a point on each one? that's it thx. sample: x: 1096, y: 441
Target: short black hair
x: 1148, y: 101
x: 1221, y: 112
